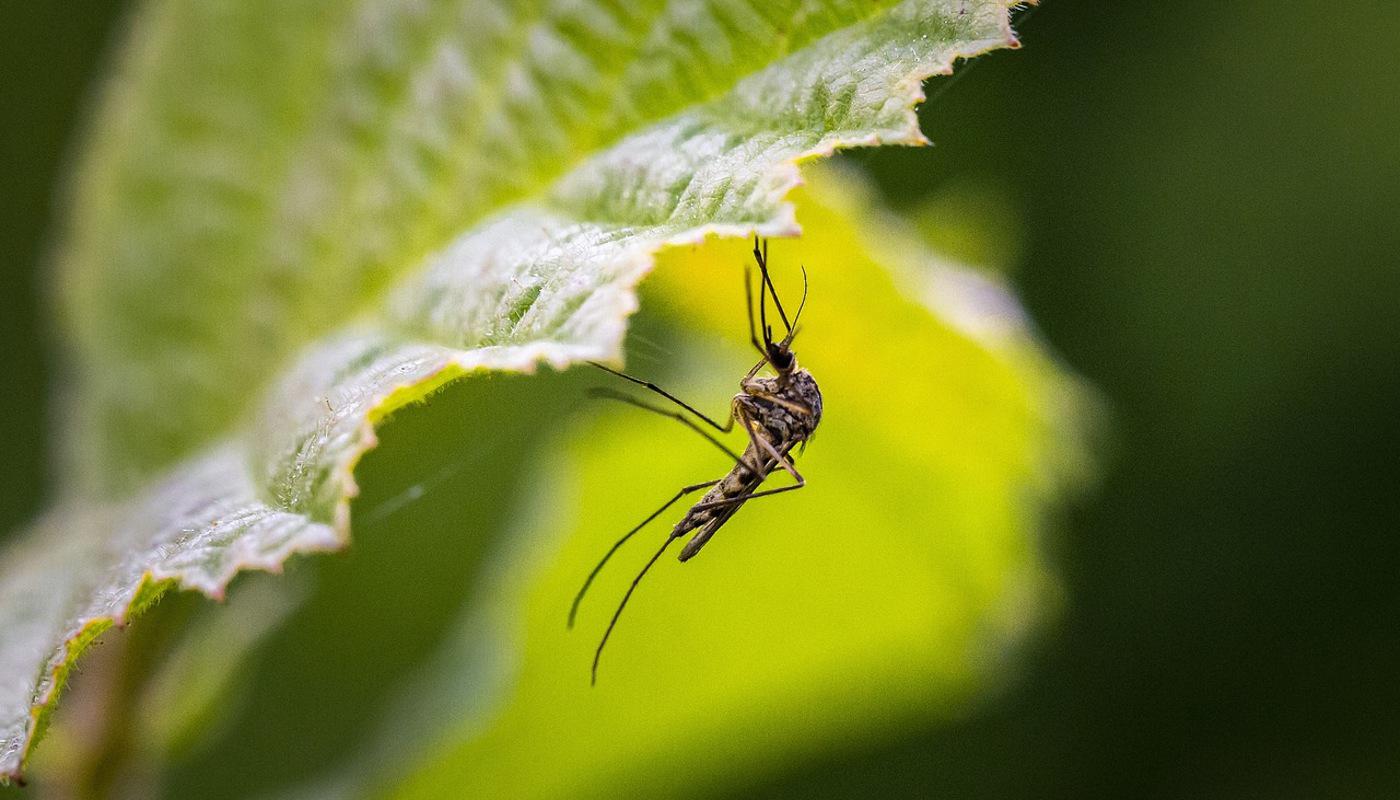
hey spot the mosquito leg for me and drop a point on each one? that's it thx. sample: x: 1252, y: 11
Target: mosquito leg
x: 744, y: 498
x: 751, y: 428
x: 781, y: 460
x: 573, y: 610
x: 725, y: 428
x: 597, y: 654
x: 609, y: 394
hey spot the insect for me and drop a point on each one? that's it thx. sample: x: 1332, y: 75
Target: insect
x: 778, y: 412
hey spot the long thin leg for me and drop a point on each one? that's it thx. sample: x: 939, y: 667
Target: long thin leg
x: 726, y: 428
x: 754, y: 371
x: 761, y: 444
x: 609, y: 394
x: 751, y: 428
x: 573, y: 610
x: 767, y: 446
x: 782, y: 461
x: 597, y: 654
x: 744, y: 498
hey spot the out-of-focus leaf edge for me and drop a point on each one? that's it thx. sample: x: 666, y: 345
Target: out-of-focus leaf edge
x: 151, y: 589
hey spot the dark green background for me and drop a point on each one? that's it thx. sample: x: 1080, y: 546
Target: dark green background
x: 1211, y: 200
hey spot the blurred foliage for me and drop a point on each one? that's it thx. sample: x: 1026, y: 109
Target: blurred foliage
x: 1208, y: 194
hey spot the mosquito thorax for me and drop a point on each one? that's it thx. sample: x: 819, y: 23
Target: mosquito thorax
x: 793, y: 386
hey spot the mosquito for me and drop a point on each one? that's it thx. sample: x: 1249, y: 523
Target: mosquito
x: 778, y: 412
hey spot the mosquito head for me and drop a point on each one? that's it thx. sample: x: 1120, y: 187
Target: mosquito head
x: 780, y: 355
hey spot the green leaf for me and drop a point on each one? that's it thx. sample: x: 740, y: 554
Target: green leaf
x: 291, y: 220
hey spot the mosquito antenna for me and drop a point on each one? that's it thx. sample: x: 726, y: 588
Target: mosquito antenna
x: 801, y: 305
x: 763, y: 266
x: 597, y: 654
